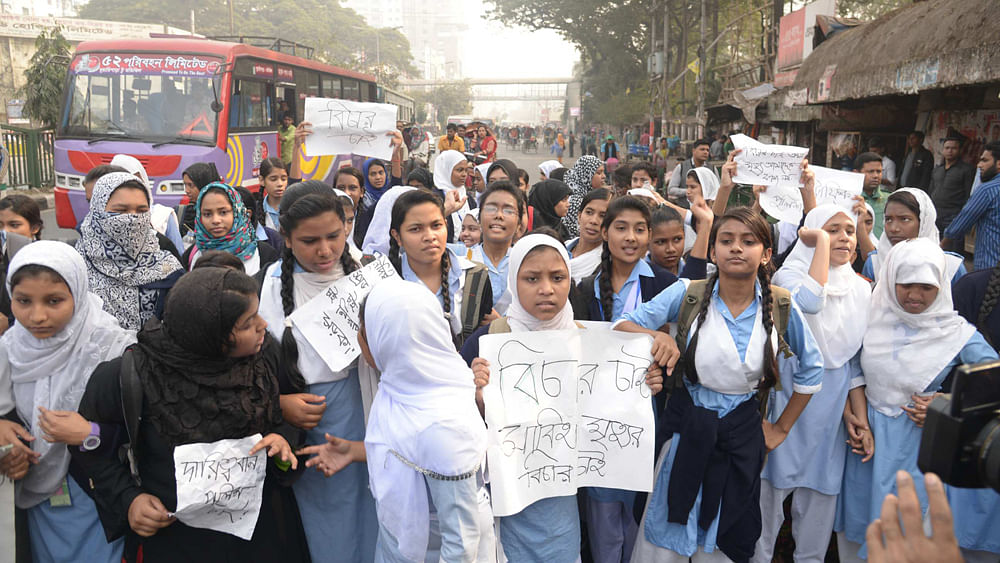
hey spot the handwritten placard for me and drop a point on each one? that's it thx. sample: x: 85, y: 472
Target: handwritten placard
x: 346, y: 127
x: 566, y: 409
x: 219, y: 485
x: 767, y: 165
x: 329, y: 321
x: 784, y: 202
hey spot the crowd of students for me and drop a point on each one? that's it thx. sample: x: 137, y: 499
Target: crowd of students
x: 775, y: 374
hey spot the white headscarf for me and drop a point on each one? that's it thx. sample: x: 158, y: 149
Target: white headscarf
x: 548, y: 166
x: 443, y: 166
x: 928, y: 230
x: 709, y: 182
x: 840, y: 326
x: 159, y: 215
x: 377, y: 236
x: 644, y: 193
x: 903, y: 352
x: 424, y: 410
x: 871, y: 234
x: 518, y: 318
x: 355, y: 251
x: 483, y: 169
x: 53, y: 372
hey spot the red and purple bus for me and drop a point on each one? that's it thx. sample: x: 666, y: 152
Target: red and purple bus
x: 172, y: 102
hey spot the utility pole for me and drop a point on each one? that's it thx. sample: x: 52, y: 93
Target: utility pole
x: 652, y: 65
x: 232, y: 20
x: 701, y: 76
x: 378, y: 54
x: 666, y: 68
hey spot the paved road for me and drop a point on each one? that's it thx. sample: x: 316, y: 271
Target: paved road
x: 530, y: 161
x: 52, y: 232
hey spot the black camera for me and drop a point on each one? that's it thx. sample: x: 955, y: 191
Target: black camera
x: 961, y: 437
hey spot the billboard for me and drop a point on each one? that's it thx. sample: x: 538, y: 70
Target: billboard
x: 797, y: 30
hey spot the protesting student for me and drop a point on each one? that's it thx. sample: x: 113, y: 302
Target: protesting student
x: 738, y: 334
x: 349, y: 215
x: 913, y: 341
x: 539, y: 281
x: 585, y: 250
x: 379, y: 178
x: 46, y: 359
x: 500, y: 216
x: 425, y: 442
x: 206, y: 373
x: 550, y: 200
x: 810, y: 463
x: 472, y: 231
x: 162, y: 218
x: 451, y: 170
x: 263, y: 234
x: 419, y: 252
x: 587, y: 174
x: 273, y: 182
x: 21, y: 215
x: 195, y: 177
x: 910, y: 214
x: 338, y: 513
x: 127, y: 265
x: 223, y: 223
x: 546, y: 168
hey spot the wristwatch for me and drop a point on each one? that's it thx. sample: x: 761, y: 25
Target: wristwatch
x: 93, y: 441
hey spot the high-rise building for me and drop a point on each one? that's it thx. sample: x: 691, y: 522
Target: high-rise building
x: 436, y: 30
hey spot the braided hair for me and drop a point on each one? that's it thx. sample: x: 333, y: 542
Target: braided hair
x: 400, y: 208
x: 762, y: 232
x: 989, y: 303
x: 301, y: 202
x: 615, y: 208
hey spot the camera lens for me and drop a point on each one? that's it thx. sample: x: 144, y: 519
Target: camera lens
x: 989, y: 454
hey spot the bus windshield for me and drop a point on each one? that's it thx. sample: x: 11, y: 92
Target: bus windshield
x: 146, y: 97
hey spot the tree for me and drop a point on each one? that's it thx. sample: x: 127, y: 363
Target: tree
x: 46, y: 75
x: 339, y: 35
x: 869, y: 9
x: 452, y: 98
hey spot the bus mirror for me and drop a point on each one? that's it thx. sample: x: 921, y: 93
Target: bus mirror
x: 216, y: 106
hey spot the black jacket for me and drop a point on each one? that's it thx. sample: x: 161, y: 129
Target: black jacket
x: 920, y: 170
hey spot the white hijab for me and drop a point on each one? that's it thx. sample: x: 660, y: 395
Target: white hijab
x: 518, y: 318
x: 548, y: 166
x: 709, y: 182
x: 53, y: 372
x: 928, y: 230
x: 840, y: 326
x: 443, y: 166
x: 424, y: 410
x: 377, y: 236
x: 355, y: 251
x: 871, y: 235
x: 903, y: 352
x: 159, y: 215
x: 483, y: 169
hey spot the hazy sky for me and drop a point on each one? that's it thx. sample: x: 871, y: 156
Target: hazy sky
x: 514, y: 52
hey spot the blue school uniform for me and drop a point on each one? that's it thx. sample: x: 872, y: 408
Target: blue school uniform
x: 338, y: 512
x: 498, y: 275
x: 806, y: 367
x: 813, y: 453
x: 897, y: 441
x: 66, y: 533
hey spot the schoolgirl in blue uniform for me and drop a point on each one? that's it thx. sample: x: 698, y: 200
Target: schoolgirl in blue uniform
x: 338, y: 513
x: 914, y: 339
x: 810, y: 462
x: 705, y: 500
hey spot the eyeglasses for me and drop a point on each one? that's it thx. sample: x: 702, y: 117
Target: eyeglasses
x: 493, y: 209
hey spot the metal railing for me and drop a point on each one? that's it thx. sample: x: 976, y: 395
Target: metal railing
x: 31, y: 156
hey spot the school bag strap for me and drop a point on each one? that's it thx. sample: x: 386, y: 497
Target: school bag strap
x: 476, y: 279
x: 132, y: 394
x: 781, y: 305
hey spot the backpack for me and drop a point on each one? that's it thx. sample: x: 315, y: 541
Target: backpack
x: 781, y: 304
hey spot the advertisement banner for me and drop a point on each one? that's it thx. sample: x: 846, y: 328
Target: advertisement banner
x: 146, y: 64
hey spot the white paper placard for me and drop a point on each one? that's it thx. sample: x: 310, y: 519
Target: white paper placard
x: 567, y: 409
x: 784, y: 202
x: 219, y: 485
x: 767, y: 165
x: 347, y: 127
x: 329, y: 321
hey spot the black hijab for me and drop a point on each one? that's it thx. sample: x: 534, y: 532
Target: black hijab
x: 544, y: 197
x: 195, y: 392
x: 202, y: 173
x: 508, y: 166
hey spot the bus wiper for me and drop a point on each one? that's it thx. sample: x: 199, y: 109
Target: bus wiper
x: 185, y: 139
x: 110, y: 138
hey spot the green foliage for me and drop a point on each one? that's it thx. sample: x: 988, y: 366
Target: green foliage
x: 46, y: 76
x: 452, y: 98
x: 339, y: 35
x: 869, y: 9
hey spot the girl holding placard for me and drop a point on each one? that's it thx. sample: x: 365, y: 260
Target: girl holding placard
x: 419, y: 252
x: 206, y: 373
x: 338, y: 513
x: 739, y: 334
x: 914, y: 340
x: 46, y: 359
x: 539, y: 281
x: 810, y: 462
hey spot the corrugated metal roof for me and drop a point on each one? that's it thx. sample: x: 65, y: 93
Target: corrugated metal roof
x: 925, y: 46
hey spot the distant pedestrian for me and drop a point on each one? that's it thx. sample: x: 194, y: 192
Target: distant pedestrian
x: 982, y: 211
x: 951, y: 182
x: 917, y: 164
x: 572, y: 143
